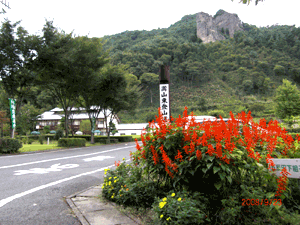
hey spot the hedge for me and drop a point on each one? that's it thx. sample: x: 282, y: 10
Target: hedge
x: 71, y: 142
x: 293, y: 130
x: 10, y: 145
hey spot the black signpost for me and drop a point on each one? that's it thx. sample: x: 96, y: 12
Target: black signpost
x: 164, y: 91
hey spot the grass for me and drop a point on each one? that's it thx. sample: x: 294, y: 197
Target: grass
x: 36, y: 146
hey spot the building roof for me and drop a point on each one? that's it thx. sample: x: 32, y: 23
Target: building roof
x: 53, y: 115
x: 131, y: 126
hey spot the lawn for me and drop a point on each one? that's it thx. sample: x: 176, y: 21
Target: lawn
x: 36, y: 146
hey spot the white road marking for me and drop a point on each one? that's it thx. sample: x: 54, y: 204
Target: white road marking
x: 68, y: 157
x: 97, y: 158
x: 55, y: 167
x: 11, y: 198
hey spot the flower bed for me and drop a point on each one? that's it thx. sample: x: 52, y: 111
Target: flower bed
x: 216, y: 166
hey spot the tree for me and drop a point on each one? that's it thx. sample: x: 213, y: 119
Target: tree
x: 57, y: 56
x: 287, y: 100
x: 87, y: 63
x: 16, y: 53
x: 85, y: 126
x: 248, y: 1
x: 119, y: 96
x: 148, y: 81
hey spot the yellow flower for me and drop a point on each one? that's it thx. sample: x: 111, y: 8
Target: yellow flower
x: 123, y: 158
x: 173, y: 194
x: 179, y: 199
x: 112, y: 196
x: 164, y: 199
x: 109, y: 183
x: 168, y: 219
x: 110, y: 178
x: 115, y: 177
x: 115, y: 181
x: 161, y: 216
x: 105, y: 169
x: 105, y: 172
x: 162, y: 204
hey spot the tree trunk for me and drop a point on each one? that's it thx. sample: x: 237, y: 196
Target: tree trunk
x: 66, y: 123
x: 92, y: 138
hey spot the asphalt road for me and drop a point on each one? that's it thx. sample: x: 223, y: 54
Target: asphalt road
x: 32, y: 186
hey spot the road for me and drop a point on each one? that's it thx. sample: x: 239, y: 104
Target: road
x: 32, y: 186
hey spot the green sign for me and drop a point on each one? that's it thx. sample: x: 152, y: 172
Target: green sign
x: 12, y: 106
x: 93, y: 124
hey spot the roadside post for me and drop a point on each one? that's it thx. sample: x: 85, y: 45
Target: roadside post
x: 164, y: 91
x: 12, y: 106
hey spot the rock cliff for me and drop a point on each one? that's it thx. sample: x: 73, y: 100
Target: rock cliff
x: 211, y: 29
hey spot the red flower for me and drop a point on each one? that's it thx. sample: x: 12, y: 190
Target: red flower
x: 137, y: 145
x: 199, y: 154
x: 179, y: 156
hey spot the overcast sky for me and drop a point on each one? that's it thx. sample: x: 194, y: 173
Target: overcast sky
x: 96, y: 18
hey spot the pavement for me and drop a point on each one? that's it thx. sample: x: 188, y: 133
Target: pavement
x: 90, y: 210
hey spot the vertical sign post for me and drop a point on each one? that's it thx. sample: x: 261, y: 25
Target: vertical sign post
x: 164, y: 91
x: 93, y: 124
x: 12, y: 106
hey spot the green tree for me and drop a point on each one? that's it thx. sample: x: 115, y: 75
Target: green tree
x: 287, y: 100
x: 17, y: 49
x: 57, y: 55
x: 148, y: 82
x: 248, y: 1
x: 88, y: 63
x: 85, y: 126
x: 119, y: 96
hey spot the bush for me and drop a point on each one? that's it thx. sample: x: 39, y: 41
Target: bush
x: 9, y: 145
x: 30, y: 141
x: 216, y: 160
x: 41, y: 139
x: 25, y: 140
x: 59, y: 134
x: 71, y: 142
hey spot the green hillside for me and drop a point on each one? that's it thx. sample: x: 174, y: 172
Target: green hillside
x: 240, y: 73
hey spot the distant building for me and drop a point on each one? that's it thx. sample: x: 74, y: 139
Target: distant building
x: 52, y: 118
x: 130, y: 129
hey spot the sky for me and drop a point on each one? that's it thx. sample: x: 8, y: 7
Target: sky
x: 97, y: 18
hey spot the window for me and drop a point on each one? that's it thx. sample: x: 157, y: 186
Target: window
x: 76, y: 122
x: 122, y: 134
x: 133, y: 133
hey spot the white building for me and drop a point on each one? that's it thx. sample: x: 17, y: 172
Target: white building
x: 52, y: 118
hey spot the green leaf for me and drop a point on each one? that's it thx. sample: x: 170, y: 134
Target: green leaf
x: 216, y: 169
x: 209, y: 165
x: 222, y: 176
x: 204, y: 170
x: 229, y: 179
x: 210, y: 158
x: 218, y: 185
x: 223, y: 167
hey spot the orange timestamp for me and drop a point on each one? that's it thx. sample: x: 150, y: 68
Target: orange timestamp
x: 261, y: 202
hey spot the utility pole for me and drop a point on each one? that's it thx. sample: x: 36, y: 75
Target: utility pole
x: 164, y: 91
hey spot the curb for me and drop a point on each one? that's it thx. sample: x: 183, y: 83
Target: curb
x: 76, y: 211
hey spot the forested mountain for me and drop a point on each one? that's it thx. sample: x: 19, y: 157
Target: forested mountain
x: 235, y: 74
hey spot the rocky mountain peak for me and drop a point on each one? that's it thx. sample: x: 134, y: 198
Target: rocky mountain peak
x: 211, y: 29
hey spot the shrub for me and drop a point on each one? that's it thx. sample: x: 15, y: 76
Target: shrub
x: 29, y: 141
x: 41, y: 139
x: 71, y: 142
x: 214, y: 159
x: 9, y: 145
x: 125, y: 186
x: 25, y: 140
x: 182, y: 208
x: 59, y: 134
